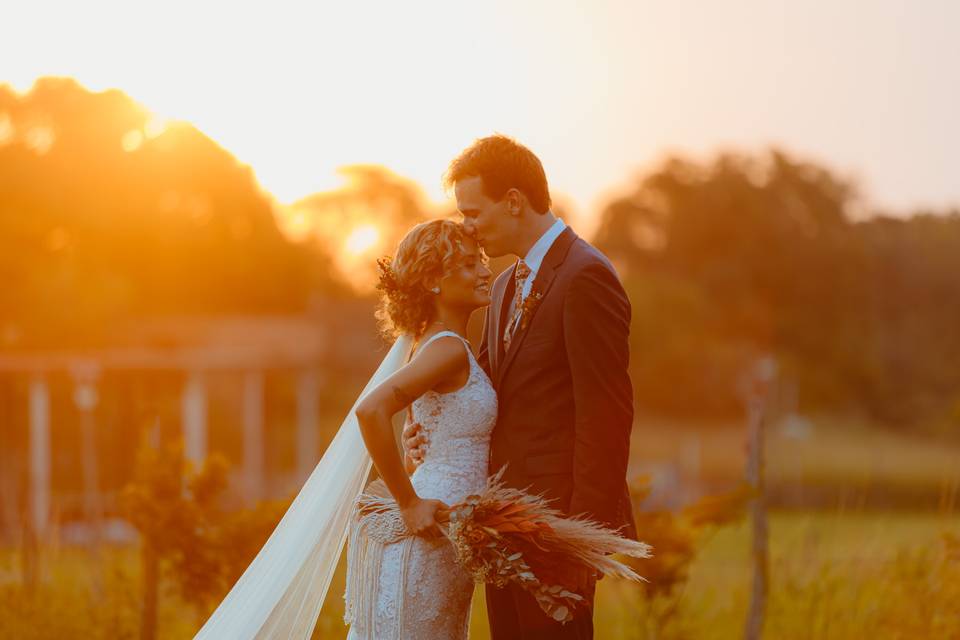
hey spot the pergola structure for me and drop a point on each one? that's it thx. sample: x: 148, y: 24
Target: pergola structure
x: 197, y: 348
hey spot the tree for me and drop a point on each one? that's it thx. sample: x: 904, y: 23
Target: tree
x: 735, y: 256
x: 186, y: 534
x: 106, y: 216
x: 373, y: 198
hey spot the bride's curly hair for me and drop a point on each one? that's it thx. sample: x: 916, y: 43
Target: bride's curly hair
x: 425, y: 254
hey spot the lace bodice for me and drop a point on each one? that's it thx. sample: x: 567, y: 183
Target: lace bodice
x: 458, y: 425
x: 420, y: 591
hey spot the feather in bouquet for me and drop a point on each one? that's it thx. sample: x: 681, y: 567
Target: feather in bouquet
x: 506, y: 536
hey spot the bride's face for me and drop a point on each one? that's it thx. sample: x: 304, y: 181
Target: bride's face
x: 467, y: 284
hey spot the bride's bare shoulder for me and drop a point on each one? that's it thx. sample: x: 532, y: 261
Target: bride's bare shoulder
x: 446, y: 353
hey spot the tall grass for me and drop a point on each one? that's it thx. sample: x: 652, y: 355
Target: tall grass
x: 834, y: 575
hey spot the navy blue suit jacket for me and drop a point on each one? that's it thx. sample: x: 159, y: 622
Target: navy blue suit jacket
x: 564, y: 392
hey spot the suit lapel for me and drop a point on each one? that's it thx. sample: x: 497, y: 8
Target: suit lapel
x: 541, y: 285
x: 502, y: 291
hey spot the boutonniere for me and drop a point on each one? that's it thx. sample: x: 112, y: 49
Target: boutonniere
x: 530, y: 304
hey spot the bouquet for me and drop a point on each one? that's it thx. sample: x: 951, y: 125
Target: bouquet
x: 506, y: 536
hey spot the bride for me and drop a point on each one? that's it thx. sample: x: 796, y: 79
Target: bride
x: 414, y: 588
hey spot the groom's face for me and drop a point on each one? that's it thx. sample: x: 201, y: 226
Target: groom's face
x: 487, y: 220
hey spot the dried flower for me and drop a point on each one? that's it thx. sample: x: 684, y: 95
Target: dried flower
x: 529, y: 305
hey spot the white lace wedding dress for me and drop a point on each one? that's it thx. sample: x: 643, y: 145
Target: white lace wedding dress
x: 420, y: 591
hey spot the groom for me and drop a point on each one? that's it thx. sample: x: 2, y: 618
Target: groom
x: 555, y: 345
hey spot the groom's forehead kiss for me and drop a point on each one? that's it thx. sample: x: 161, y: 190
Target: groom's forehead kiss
x: 471, y: 196
x: 476, y: 207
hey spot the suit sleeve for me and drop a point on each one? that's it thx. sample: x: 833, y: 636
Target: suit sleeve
x: 596, y: 329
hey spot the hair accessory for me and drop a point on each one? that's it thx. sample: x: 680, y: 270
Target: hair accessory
x: 388, y: 277
x: 435, y: 290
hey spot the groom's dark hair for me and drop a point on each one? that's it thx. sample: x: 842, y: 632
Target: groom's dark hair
x: 503, y: 164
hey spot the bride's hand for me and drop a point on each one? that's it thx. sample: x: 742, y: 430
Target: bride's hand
x: 420, y: 517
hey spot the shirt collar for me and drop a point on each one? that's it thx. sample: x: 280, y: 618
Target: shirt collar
x: 538, y: 251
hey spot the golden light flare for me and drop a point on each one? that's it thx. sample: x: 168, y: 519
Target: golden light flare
x: 155, y: 126
x: 357, y: 220
x: 6, y: 129
x: 40, y: 139
x: 296, y: 225
x: 362, y: 239
x: 131, y: 140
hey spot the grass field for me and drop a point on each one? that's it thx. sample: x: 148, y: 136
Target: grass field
x: 867, y: 562
x: 833, y: 575
x: 832, y: 463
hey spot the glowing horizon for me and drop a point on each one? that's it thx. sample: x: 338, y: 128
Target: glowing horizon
x: 598, y: 91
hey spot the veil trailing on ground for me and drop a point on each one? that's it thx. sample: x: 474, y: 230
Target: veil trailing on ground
x: 281, y: 592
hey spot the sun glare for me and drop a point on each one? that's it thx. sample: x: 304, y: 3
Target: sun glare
x: 155, y: 126
x: 6, y: 129
x: 40, y: 139
x: 361, y: 239
x: 131, y: 140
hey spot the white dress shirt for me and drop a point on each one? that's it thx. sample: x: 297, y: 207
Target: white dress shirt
x: 537, y: 253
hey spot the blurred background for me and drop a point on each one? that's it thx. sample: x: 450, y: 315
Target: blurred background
x: 192, y: 198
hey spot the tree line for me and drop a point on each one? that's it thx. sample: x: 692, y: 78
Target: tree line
x: 104, y: 222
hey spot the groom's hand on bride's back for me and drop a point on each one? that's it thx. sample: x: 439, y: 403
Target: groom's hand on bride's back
x: 415, y: 442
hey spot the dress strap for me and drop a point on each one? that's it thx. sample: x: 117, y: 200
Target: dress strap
x: 416, y: 347
x: 441, y: 334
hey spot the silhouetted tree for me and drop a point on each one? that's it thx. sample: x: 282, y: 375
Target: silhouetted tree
x: 105, y: 218
x: 742, y: 254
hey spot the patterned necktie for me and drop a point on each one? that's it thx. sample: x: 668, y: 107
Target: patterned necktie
x: 520, y: 277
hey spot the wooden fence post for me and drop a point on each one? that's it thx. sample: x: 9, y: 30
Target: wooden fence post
x: 757, y: 395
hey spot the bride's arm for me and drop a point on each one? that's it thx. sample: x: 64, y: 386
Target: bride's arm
x: 441, y: 361
x: 408, y: 464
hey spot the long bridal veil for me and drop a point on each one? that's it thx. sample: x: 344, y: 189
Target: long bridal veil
x: 281, y: 592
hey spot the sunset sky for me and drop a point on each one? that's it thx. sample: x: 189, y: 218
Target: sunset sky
x: 600, y: 90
